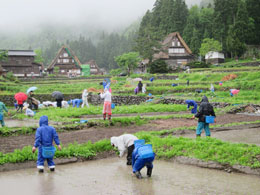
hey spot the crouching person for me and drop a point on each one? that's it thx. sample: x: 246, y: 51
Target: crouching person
x: 44, y: 137
x: 143, y: 155
x: 123, y: 143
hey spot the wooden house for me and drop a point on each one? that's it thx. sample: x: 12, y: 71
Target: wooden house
x: 174, y: 51
x: 214, y: 57
x: 67, y: 62
x: 94, y: 69
x: 21, y: 63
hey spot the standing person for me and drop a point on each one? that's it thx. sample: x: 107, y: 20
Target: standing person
x: 85, y: 98
x: 143, y: 155
x: 31, y: 101
x: 59, y: 102
x: 107, y: 104
x: 206, y: 109
x: 44, y: 137
x: 2, y: 109
x: 123, y: 143
x: 140, y: 86
x: 20, y: 106
x: 193, y: 104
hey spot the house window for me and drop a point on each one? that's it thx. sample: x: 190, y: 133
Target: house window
x: 62, y: 71
x: 65, y: 54
x: 66, y: 60
x: 58, y: 60
x: 72, y: 60
x: 176, y: 50
x: 179, y: 44
x: 181, y: 61
x: 173, y: 43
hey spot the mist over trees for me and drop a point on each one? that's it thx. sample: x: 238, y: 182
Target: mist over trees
x: 234, y: 24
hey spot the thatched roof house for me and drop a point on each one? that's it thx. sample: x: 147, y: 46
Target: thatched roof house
x: 174, y: 51
x: 66, y: 61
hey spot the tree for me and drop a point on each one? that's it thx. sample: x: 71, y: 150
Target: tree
x: 158, y: 66
x: 128, y: 61
x: 56, y: 70
x: 238, y: 32
x: 209, y: 45
x: 3, y: 55
x: 192, y: 34
x: 38, y: 58
x: 253, y: 7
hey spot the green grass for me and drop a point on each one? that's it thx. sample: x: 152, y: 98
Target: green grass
x: 206, y: 149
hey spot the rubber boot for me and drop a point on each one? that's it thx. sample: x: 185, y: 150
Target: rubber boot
x: 197, y: 135
x: 104, y: 116
x: 109, y: 117
x: 138, y: 174
x: 41, y: 170
x: 149, y: 172
x: 52, y: 169
x: 128, y: 162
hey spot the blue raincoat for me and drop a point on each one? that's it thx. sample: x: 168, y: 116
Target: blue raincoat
x: 142, y: 156
x: 76, y: 102
x: 192, y: 103
x: 44, y: 136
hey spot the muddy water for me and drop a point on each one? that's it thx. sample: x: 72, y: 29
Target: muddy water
x: 250, y: 136
x: 24, y: 123
x: 112, y: 176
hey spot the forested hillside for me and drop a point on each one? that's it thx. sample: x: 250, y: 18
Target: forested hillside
x: 234, y: 23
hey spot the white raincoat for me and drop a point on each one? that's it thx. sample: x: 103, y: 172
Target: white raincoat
x: 85, y: 98
x: 123, y: 142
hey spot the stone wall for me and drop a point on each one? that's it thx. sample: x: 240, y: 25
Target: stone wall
x: 118, y: 100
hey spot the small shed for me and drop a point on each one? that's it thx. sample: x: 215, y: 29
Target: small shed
x: 214, y: 57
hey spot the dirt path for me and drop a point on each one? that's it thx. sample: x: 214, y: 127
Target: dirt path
x: 8, y: 144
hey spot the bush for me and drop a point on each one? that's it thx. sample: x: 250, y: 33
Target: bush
x: 158, y: 66
x: 197, y: 64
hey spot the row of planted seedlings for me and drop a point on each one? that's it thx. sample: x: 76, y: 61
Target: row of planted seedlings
x: 71, y: 118
x: 205, y: 149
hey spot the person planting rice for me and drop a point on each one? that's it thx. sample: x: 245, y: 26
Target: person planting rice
x: 191, y: 103
x: 206, y: 109
x: 44, y: 137
x: 143, y: 155
x: 2, y: 109
x: 123, y: 143
x: 107, y: 104
x: 75, y: 102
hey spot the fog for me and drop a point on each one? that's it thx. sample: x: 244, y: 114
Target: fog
x: 22, y: 15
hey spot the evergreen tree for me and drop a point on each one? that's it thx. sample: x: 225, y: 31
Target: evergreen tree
x: 253, y: 7
x: 237, y: 34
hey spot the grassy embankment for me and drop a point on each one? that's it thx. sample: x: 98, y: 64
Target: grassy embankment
x: 206, y: 149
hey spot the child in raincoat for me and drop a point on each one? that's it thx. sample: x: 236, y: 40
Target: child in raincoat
x: 44, y: 137
x: 2, y: 109
x: 85, y: 98
x: 123, y: 143
x: 107, y: 104
x: 193, y: 104
x: 143, y: 155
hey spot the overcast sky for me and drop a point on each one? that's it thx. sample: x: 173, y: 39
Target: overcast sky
x: 19, y: 14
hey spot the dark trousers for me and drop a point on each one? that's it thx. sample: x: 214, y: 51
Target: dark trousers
x: 59, y: 103
x: 20, y: 107
x: 130, y: 150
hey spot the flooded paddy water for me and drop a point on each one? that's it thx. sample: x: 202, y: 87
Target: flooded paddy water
x: 112, y: 176
x: 249, y: 136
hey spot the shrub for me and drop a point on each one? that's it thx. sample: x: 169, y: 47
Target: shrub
x: 158, y: 66
x: 197, y: 64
